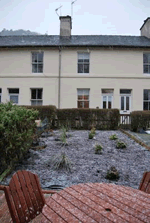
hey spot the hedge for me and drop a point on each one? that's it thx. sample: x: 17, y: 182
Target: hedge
x: 140, y: 119
x: 102, y: 119
x: 17, y: 127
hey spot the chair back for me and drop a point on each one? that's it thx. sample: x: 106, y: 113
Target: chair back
x: 145, y: 183
x: 24, y: 196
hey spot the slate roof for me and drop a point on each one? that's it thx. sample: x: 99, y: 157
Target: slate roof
x: 75, y: 40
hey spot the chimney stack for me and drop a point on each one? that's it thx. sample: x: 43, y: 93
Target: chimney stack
x: 65, y: 26
x: 145, y: 29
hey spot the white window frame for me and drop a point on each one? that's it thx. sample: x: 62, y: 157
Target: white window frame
x: 37, y: 52
x: 125, y: 111
x: 146, y: 74
x: 36, y: 96
x: 146, y: 100
x: 13, y: 94
x: 107, y: 95
x: 83, y: 94
x: 78, y: 53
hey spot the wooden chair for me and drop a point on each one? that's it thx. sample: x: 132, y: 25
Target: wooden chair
x: 24, y: 196
x: 145, y: 183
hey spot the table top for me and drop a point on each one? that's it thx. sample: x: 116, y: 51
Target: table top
x: 97, y: 202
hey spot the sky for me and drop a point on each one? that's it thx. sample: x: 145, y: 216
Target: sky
x: 96, y: 17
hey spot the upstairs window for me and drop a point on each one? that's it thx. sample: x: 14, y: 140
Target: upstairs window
x: 14, y: 95
x: 83, y: 62
x: 107, y: 98
x: 146, y: 63
x: 37, y: 62
x: 146, y: 99
x: 0, y: 95
x: 36, y: 96
x: 83, y: 98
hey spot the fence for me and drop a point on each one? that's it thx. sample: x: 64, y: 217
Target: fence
x: 125, y: 121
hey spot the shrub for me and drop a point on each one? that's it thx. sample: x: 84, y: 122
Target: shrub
x: 113, y: 137
x: 63, y: 135
x: 91, y: 135
x: 93, y: 129
x: 112, y: 174
x: 120, y: 145
x: 17, y: 128
x: 98, y: 149
x: 61, y: 161
x: 140, y: 119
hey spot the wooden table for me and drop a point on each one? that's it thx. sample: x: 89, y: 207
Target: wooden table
x: 97, y: 202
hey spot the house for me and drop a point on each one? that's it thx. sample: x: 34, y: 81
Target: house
x: 77, y: 71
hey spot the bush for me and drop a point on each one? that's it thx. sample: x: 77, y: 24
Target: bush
x: 113, y: 137
x: 91, y: 135
x: 140, y: 119
x: 17, y: 128
x: 79, y: 118
x: 120, y: 145
x: 93, y: 130
x: 61, y: 161
x: 63, y: 135
x: 112, y: 174
x: 98, y: 149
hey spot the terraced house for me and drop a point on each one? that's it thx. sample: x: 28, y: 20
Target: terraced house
x: 77, y: 71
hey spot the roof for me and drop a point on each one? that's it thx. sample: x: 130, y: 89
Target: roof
x: 74, y: 40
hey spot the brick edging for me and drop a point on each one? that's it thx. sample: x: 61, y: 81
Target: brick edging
x: 135, y: 139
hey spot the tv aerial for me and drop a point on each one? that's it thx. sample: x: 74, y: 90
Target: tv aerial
x: 57, y: 10
x: 72, y: 7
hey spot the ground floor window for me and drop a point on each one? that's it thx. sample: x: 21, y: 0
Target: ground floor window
x: 0, y: 95
x: 36, y: 96
x: 146, y: 99
x: 107, y: 98
x: 14, y: 95
x: 125, y: 100
x: 83, y: 98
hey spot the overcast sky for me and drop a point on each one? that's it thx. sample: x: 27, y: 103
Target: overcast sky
x: 90, y: 17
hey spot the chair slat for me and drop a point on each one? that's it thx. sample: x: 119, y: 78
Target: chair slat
x: 26, y: 195
x: 145, y: 183
x: 38, y: 193
x: 11, y: 205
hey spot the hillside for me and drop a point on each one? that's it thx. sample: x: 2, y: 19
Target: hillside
x: 18, y: 32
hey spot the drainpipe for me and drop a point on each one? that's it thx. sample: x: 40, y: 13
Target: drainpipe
x: 59, y: 83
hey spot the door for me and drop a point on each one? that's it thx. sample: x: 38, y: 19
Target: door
x: 125, y: 104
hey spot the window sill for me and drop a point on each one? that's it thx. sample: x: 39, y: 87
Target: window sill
x: 83, y: 73
x: 145, y: 74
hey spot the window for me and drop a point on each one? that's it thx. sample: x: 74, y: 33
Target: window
x: 125, y: 100
x: 0, y: 95
x: 37, y: 62
x: 83, y: 62
x: 146, y: 99
x: 107, y: 98
x: 146, y: 63
x: 83, y: 98
x: 36, y: 96
x: 14, y: 95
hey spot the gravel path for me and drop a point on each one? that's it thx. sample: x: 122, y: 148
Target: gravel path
x: 86, y: 165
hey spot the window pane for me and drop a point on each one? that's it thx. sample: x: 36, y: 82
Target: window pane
x: 40, y: 68
x: 86, y: 104
x: 145, y: 106
x: 86, y: 56
x: 80, y: 91
x: 104, y: 98
x: 109, y: 104
x: 33, y: 93
x: 33, y: 102
x: 86, y: 61
x: 34, y: 57
x: 109, y: 98
x: 34, y: 68
x: 145, y: 94
x: 80, y: 97
x: 0, y: 98
x: 14, y: 91
x: 104, y: 104
x: 127, y: 103
x: 39, y: 102
x: 125, y: 91
x: 107, y: 91
x: 0, y: 90
x: 80, y: 60
x: 122, y: 103
x: 39, y: 93
x: 145, y: 58
x: 145, y: 67
x: 80, y: 104
x: 86, y: 91
x: 14, y: 99
x: 80, y: 56
x: 86, y: 97
x: 86, y: 68
x: 80, y: 68
x: 40, y: 57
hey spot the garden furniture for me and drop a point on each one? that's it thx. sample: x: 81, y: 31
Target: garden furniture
x: 145, y: 183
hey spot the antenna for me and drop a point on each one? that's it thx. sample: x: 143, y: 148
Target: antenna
x: 72, y: 8
x: 57, y: 10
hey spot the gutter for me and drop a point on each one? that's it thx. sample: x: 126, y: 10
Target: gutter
x: 59, y: 82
